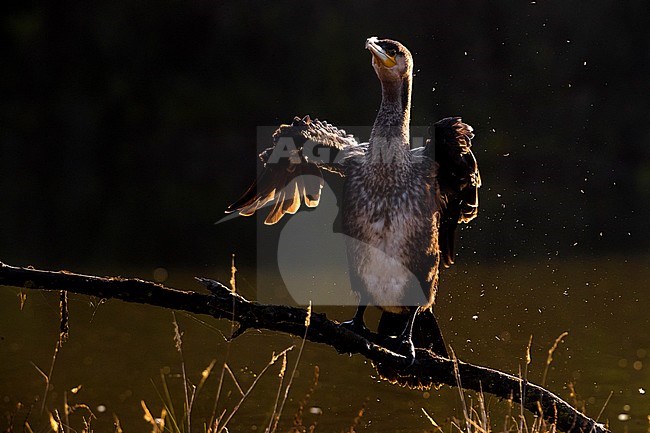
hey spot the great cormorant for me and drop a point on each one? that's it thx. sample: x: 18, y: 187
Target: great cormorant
x: 400, y: 206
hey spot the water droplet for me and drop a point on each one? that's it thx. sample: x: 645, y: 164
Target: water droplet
x: 314, y: 410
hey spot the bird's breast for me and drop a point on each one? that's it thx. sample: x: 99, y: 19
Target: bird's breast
x: 387, y: 227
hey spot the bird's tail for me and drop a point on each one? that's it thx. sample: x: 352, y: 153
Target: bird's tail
x: 426, y: 336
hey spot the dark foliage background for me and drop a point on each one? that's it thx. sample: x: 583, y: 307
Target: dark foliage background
x: 127, y: 127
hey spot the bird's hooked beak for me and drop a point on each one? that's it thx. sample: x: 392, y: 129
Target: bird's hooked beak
x: 378, y: 53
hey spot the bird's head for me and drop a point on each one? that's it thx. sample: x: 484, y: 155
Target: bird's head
x: 391, y: 60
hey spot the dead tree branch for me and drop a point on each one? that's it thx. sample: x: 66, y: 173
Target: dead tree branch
x: 428, y: 369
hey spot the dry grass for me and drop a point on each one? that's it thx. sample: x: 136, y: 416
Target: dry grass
x: 476, y: 410
x: 477, y: 414
x: 222, y: 416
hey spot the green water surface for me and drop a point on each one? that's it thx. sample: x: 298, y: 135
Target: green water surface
x: 117, y: 352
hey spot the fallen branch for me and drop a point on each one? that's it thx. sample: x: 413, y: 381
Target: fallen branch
x: 428, y: 369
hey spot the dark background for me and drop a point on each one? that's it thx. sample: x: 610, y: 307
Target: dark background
x: 127, y: 127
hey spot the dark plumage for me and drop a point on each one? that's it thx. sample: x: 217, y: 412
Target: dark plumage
x: 458, y: 179
x: 400, y: 206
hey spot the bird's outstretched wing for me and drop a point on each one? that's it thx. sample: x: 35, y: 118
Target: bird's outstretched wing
x: 458, y: 178
x: 292, y: 167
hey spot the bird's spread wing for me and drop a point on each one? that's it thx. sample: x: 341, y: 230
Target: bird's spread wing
x: 458, y: 178
x: 292, y: 167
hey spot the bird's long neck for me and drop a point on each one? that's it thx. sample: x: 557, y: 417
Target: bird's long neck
x: 389, y: 138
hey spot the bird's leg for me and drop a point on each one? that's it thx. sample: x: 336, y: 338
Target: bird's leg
x: 357, y: 324
x: 406, y: 346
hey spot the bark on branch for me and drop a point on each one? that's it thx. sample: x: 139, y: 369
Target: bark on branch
x: 428, y: 369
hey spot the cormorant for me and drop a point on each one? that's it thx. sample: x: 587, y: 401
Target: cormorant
x: 400, y: 206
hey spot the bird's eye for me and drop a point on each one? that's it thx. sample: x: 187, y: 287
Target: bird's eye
x: 391, y: 52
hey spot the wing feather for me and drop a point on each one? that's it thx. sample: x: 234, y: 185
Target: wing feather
x: 292, y: 176
x: 458, y: 179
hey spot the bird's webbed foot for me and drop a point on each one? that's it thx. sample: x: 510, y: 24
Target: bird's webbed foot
x: 402, y: 345
x: 356, y: 326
